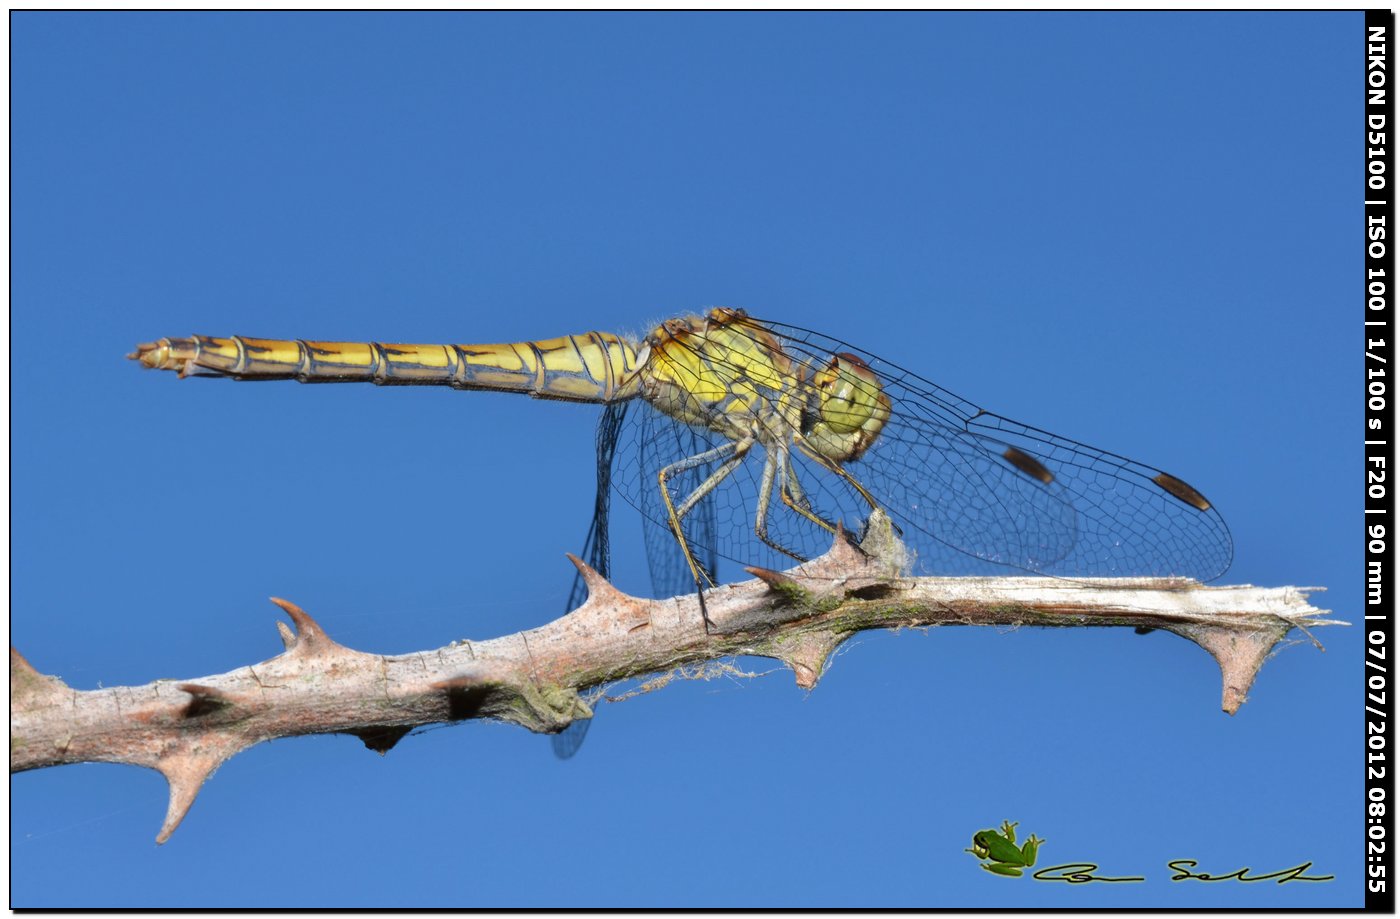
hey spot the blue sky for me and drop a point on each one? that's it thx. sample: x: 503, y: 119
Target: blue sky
x: 1137, y: 230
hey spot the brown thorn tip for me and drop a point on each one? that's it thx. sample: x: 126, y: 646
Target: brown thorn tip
x: 841, y: 540
x: 17, y: 662
x: 30, y: 688
x: 185, y: 776
x: 288, y: 607
x: 774, y: 579
x: 590, y: 574
x: 204, y: 699
x: 309, y: 632
x: 844, y: 552
x: 597, y: 585
x: 806, y: 676
x: 199, y: 689
x: 808, y: 657
x: 1240, y: 654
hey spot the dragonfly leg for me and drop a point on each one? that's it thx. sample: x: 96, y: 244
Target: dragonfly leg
x: 709, y: 485
x: 837, y: 469
x: 793, y: 496
x: 772, y: 470
x: 732, y: 454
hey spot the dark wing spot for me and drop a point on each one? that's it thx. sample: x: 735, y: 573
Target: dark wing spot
x: 1181, y: 491
x: 1029, y: 465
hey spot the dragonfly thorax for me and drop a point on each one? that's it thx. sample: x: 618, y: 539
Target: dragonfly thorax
x: 723, y: 372
x: 726, y: 372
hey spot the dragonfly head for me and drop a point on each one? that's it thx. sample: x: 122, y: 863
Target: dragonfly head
x: 849, y: 408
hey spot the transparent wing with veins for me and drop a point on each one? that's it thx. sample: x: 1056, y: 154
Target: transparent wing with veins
x: 669, y: 573
x: 973, y: 492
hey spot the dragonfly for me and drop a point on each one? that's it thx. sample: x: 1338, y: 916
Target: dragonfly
x: 758, y: 441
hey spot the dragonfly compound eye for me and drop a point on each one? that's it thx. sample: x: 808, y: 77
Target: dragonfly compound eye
x: 851, y: 408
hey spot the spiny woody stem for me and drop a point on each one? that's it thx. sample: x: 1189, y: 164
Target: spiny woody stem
x: 186, y: 729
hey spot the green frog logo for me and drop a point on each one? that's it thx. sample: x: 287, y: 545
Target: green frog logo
x: 1000, y: 851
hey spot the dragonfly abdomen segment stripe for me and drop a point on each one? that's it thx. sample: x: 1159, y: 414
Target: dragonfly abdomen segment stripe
x: 600, y: 347
x: 570, y: 368
x: 538, y: 356
x: 306, y: 367
x: 240, y: 365
x: 459, y: 367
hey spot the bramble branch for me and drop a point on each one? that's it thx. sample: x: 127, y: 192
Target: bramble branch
x: 186, y: 729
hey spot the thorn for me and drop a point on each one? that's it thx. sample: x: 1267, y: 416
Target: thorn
x: 467, y: 695
x: 310, y: 637
x: 19, y: 664
x: 186, y: 774
x: 1240, y: 654
x: 774, y: 579
x: 844, y: 552
x: 599, y: 589
x: 31, y: 689
x: 785, y: 587
x: 806, y: 676
x: 807, y: 656
x: 382, y: 739
x: 205, y: 699
x: 876, y: 591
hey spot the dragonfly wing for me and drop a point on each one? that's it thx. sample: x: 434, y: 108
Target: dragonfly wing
x: 961, y: 480
x: 596, y: 552
x: 1131, y: 518
x: 971, y: 491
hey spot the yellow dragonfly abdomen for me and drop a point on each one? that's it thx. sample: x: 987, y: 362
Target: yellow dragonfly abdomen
x: 591, y: 367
